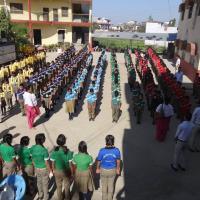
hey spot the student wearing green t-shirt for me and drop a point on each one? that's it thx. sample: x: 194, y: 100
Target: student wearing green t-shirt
x: 8, y: 156
x: 25, y: 161
x: 61, y: 158
x: 40, y: 158
x: 82, y: 164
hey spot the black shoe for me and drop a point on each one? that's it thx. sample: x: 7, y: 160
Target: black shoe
x: 174, y: 168
x: 182, y: 168
x: 192, y: 150
x: 197, y: 150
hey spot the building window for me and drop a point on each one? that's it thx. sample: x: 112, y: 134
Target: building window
x: 64, y: 11
x: 46, y: 14
x: 55, y: 14
x: 190, y: 12
x: 183, y: 15
x: 16, y: 8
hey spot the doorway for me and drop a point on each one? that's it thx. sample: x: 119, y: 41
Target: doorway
x: 61, y: 36
x: 37, y: 36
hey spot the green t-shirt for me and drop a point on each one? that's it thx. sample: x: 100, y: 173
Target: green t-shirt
x: 39, y: 156
x: 25, y: 156
x: 7, y: 153
x: 82, y: 161
x: 61, y: 159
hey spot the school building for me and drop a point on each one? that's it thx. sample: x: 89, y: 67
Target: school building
x: 53, y: 21
x: 188, y: 42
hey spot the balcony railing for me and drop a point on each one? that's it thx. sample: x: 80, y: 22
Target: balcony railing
x: 81, y: 18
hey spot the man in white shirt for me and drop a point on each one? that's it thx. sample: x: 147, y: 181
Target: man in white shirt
x: 179, y: 75
x: 30, y: 103
x: 182, y: 136
x: 195, y: 139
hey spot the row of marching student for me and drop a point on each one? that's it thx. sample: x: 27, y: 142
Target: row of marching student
x: 115, y: 88
x: 137, y: 95
x: 152, y: 93
x: 75, y: 90
x: 66, y: 166
x: 95, y: 86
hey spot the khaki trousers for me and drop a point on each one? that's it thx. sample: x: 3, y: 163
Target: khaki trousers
x: 115, y: 112
x: 107, y: 181
x: 8, y: 168
x: 62, y: 180
x: 42, y: 183
x: 91, y: 110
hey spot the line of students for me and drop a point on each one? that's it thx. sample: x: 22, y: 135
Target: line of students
x: 115, y: 88
x: 94, y: 87
x: 75, y: 91
x: 15, y: 74
x: 66, y: 166
x: 170, y: 86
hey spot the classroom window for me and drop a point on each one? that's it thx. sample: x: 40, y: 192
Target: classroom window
x: 16, y: 8
x: 64, y: 11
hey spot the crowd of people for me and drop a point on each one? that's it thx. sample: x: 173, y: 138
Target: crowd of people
x: 67, y: 167
x: 15, y: 75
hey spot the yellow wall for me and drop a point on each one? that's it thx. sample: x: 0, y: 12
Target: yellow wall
x: 37, y: 9
x: 23, y: 16
x: 50, y: 33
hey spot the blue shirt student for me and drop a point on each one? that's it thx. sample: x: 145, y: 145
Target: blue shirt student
x: 69, y: 96
x: 91, y: 98
x: 108, y: 157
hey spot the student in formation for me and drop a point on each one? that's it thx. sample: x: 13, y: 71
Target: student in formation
x: 91, y: 101
x: 20, y: 98
x: 8, y: 156
x: 82, y: 170
x: 61, y: 158
x: 108, y: 166
x: 26, y: 163
x: 14, y: 83
x: 46, y: 99
x: 7, y: 89
x: 116, y: 105
x: 40, y: 158
x: 69, y: 99
x: 2, y: 102
x: 139, y: 107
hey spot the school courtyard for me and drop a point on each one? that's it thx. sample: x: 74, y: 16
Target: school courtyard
x: 146, y: 173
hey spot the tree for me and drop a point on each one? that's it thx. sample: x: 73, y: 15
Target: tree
x: 150, y: 19
x: 5, y: 25
x: 172, y: 22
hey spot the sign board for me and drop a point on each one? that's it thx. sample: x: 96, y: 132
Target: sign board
x: 7, y: 53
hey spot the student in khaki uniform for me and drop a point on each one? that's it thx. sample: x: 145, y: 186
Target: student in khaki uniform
x: 40, y: 159
x: 7, y: 89
x: 8, y: 156
x: 116, y: 105
x: 14, y: 83
x: 61, y: 158
x: 82, y: 164
x: 20, y: 77
x: 2, y: 102
x: 25, y: 162
x: 1, y: 74
x: 91, y: 100
x: 6, y: 71
x: 108, y: 166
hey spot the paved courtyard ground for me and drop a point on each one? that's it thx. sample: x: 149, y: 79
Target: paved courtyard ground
x: 146, y: 173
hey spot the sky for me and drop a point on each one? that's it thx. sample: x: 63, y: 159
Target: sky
x: 120, y: 11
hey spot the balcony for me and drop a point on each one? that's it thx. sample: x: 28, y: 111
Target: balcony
x: 81, y: 18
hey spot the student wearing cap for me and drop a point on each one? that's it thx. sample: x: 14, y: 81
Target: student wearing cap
x: 40, y: 157
x: 91, y: 101
x: 82, y: 170
x: 108, y: 165
x: 8, y: 156
x: 61, y: 158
